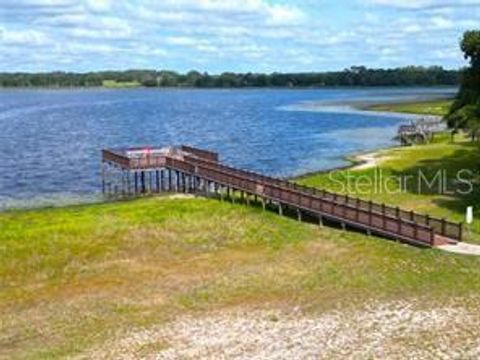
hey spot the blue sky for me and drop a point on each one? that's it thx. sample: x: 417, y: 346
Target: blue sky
x: 232, y: 35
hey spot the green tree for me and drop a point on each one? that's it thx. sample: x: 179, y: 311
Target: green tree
x: 465, y: 111
x: 470, y: 46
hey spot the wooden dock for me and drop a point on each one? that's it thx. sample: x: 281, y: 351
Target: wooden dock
x: 420, y: 131
x: 188, y: 169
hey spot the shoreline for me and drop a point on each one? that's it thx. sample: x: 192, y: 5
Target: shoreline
x: 370, y: 158
x: 357, y: 161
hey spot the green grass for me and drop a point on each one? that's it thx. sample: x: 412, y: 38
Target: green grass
x: 420, y: 163
x: 74, y: 277
x: 433, y: 107
x: 112, y: 84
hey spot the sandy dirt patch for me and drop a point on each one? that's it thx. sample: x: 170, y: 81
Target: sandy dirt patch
x: 392, y: 330
x: 369, y: 160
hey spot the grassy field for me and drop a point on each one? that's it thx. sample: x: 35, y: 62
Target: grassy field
x: 74, y: 277
x: 112, y: 84
x: 435, y: 107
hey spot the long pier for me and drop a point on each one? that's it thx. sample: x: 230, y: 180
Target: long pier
x: 188, y: 169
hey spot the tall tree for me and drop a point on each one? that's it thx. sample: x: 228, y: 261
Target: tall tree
x: 470, y: 46
x: 465, y: 110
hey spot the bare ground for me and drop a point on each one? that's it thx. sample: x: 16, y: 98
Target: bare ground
x: 369, y: 160
x: 396, y: 330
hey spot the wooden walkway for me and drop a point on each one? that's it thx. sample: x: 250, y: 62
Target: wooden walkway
x: 188, y: 169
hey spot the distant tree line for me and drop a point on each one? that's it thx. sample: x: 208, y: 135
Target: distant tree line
x: 465, y: 111
x: 354, y: 76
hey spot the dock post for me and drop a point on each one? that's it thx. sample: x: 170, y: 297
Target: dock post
x: 103, y: 177
x: 280, y: 210
x: 169, y: 179
x: 129, y: 185
x: 299, y: 215
x: 320, y: 221
x: 197, y: 184
x: 136, y: 181
x: 177, y: 178
x: 263, y: 203
x: 142, y: 180
x: 150, y: 181
x: 123, y: 181
x: 162, y: 180
x: 157, y: 178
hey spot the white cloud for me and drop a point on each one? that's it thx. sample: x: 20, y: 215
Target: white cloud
x: 442, y: 23
x: 424, y: 4
x: 413, y: 28
x: 180, y: 40
x: 230, y: 34
x: 23, y: 37
x: 282, y: 15
x: 99, y: 5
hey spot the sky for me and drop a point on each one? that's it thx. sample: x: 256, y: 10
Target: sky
x: 232, y: 35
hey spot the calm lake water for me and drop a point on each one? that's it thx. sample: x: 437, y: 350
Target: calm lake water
x: 50, y: 140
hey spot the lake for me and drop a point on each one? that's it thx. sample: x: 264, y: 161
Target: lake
x: 50, y: 140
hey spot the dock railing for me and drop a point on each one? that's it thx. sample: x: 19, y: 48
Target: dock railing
x: 440, y: 226
x: 308, y: 200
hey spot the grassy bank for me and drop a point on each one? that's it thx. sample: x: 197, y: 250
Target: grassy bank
x: 112, y: 84
x: 76, y: 276
x: 433, y: 107
x: 426, y: 178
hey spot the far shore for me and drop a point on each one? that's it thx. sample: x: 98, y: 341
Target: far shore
x: 371, y: 158
x: 437, y: 107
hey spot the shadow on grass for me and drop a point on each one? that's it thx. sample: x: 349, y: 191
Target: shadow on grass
x: 452, y: 181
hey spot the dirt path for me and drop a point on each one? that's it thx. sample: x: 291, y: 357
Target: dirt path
x: 462, y: 248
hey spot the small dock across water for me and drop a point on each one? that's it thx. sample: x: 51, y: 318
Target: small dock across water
x: 132, y: 171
